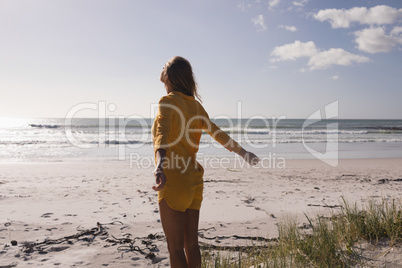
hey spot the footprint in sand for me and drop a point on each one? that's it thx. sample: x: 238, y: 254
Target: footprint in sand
x: 47, y: 215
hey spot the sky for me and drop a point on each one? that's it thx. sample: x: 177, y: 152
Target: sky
x: 272, y: 58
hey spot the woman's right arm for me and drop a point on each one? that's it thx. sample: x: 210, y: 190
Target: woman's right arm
x: 223, y: 138
x: 250, y: 157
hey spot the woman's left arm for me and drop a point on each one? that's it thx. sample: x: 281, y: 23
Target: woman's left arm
x: 160, y: 177
x: 161, y: 140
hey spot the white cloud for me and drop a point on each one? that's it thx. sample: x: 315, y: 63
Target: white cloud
x: 334, y: 56
x: 396, y: 31
x: 317, y: 59
x: 273, y: 3
x: 375, y: 40
x: 335, y: 77
x: 288, y: 28
x: 300, y: 3
x: 341, y: 18
x: 244, y: 6
x: 293, y: 51
x: 259, y: 22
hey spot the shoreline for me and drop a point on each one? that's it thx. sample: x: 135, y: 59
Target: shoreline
x: 115, y: 160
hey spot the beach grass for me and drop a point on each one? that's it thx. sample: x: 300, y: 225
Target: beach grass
x: 324, y: 242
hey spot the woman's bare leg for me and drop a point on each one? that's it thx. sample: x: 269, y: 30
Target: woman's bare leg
x: 173, y: 224
x: 191, y: 238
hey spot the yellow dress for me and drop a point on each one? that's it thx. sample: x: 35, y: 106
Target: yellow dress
x: 177, y: 128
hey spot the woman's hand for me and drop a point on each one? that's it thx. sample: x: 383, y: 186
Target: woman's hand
x: 160, y: 180
x: 250, y: 158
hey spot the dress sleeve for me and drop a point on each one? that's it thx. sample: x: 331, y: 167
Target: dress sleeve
x: 219, y: 135
x: 163, y: 121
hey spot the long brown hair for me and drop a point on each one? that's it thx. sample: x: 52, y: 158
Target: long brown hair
x: 181, y: 76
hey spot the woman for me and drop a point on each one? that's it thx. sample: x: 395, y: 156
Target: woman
x: 176, y: 135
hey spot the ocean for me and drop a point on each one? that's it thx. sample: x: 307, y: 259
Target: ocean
x: 55, y: 139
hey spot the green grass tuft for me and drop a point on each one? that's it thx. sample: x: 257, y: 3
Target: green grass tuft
x: 329, y: 242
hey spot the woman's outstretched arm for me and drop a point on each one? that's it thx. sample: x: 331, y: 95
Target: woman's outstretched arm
x: 250, y: 158
x: 223, y: 138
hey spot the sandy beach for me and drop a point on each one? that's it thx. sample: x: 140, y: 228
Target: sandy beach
x: 102, y: 202
x: 95, y: 93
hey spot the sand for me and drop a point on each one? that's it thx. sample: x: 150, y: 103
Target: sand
x: 45, y: 201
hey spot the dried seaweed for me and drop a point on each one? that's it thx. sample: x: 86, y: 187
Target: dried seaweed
x: 89, y: 235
